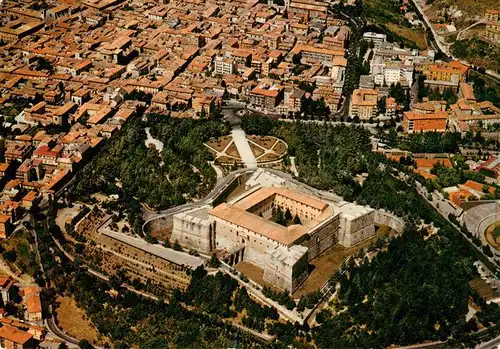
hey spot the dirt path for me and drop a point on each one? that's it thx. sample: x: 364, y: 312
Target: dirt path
x: 64, y: 216
x: 4, y: 268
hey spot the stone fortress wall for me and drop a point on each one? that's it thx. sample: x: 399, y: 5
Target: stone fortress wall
x: 390, y: 220
x: 193, y: 231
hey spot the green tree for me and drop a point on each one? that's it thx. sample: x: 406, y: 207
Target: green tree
x: 296, y: 58
x: 10, y: 256
x: 214, y: 262
x: 398, y: 93
x: 84, y: 344
x: 296, y: 220
x: 382, y: 105
x: 177, y: 246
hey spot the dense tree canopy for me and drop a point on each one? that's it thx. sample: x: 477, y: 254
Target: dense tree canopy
x: 127, y: 167
x: 409, y: 293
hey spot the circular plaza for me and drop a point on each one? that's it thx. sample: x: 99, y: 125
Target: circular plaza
x: 265, y: 149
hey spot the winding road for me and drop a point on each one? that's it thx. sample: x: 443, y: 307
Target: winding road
x: 220, y: 186
x: 442, y: 47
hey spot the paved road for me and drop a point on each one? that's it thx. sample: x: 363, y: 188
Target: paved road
x: 492, y: 344
x: 428, y: 24
x: 150, y: 215
x: 55, y: 330
x: 221, y: 184
x: 443, y: 47
x: 371, y: 127
x: 482, y: 21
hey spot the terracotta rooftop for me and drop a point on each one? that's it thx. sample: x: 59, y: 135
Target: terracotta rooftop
x: 443, y: 115
x: 258, y: 225
x: 429, y: 163
x: 14, y: 335
x: 478, y: 186
x: 33, y: 304
x: 264, y: 193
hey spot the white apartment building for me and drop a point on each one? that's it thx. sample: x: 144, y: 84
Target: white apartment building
x: 224, y: 65
x: 395, y: 72
x: 376, y: 38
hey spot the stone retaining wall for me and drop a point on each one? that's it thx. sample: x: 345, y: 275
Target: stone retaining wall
x: 386, y: 218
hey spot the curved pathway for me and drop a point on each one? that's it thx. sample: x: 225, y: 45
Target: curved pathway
x: 57, y: 332
x: 443, y: 47
x: 221, y: 184
x: 482, y: 21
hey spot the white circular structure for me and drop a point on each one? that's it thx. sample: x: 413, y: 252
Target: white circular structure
x: 479, y: 218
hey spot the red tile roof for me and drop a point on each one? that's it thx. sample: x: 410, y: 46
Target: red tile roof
x: 14, y: 335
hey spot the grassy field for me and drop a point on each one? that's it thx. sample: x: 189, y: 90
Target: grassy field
x: 418, y: 37
x: 74, y: 321
x: 387, y: 16
x: 383, y: 11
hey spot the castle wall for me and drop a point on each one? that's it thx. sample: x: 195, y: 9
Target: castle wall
x: 284, y: 272
x: 304, y: 212
x: 192, y: 233
x: 257, y: 250
x: 264, y: 207
x: 357, y: 229
x: 390, y: 220
x: 256, y: 245
x: 323, y: 237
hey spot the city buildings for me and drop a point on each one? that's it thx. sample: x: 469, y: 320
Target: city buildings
x: 267, y: 95
x: 469, y: 115
x: 12, y: 338
x: 375, y: 38
x: 31, y: 298
x: 443, y: 75
x: 180, y: 53
x: 492, y: 31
